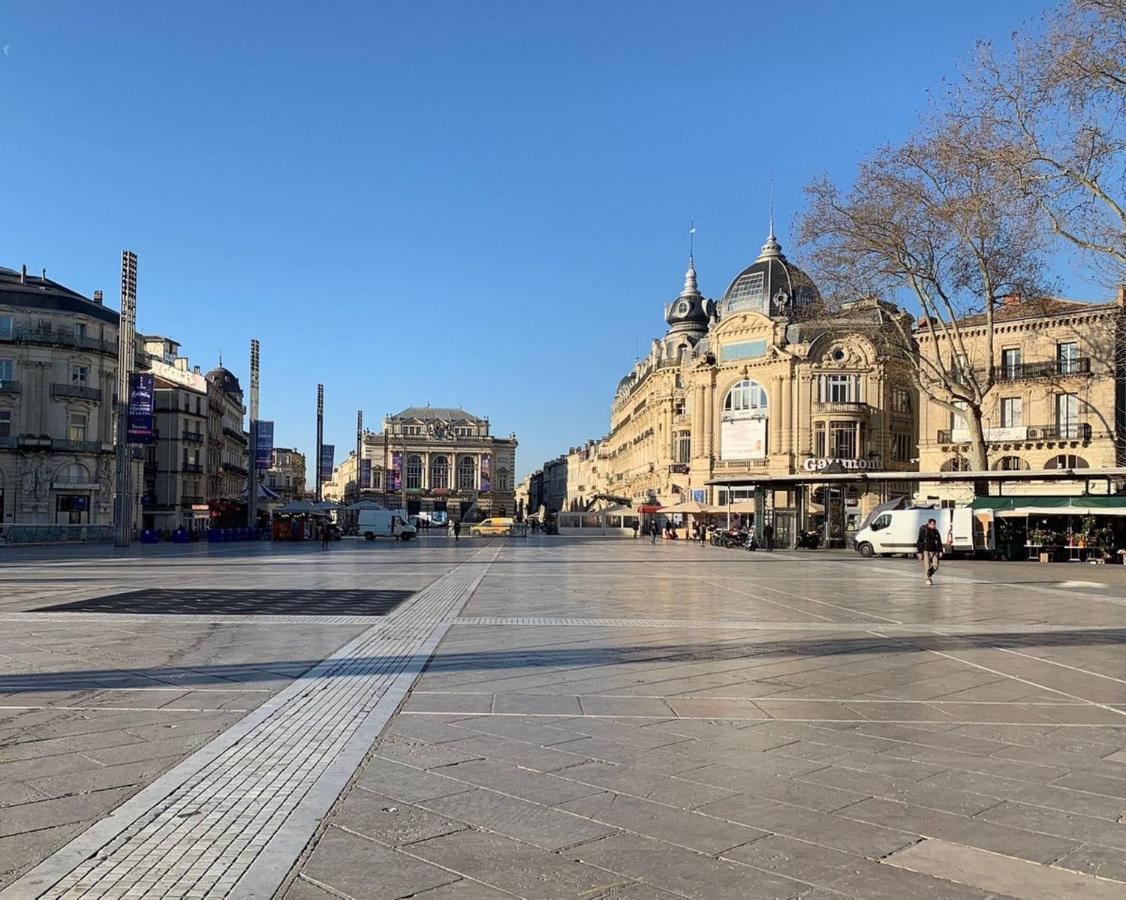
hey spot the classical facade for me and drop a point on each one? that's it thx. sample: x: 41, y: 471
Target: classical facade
x: 228, y: 456
x: 1058, y: 400
x: 442, y: 460
x: 286, y: 475
x: 175, y: 493
x: 58, y: 370
x: 763, y: 383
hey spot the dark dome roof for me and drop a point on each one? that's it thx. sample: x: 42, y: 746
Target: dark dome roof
x: 688, y: 313
x: 40, y: 293
x: 225, y: 380
x: 771, y: 285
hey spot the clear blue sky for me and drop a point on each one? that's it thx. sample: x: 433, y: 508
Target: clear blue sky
x: 480, y: 203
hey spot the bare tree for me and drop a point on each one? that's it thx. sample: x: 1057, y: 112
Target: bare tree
x: 934, y: 220
x: 1051, y: 112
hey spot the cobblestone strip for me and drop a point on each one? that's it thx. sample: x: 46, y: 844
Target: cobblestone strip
x: 232, y: 818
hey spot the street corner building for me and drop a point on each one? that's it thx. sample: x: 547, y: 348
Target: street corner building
x: 58, y: 371
x: 774, y: 404
x: 431, y: 460
x: 765, y: 382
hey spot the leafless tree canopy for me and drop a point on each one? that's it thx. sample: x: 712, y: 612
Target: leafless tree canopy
x: 1051, y: 111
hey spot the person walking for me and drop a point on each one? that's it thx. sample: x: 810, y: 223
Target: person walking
x: 636, y: 528
x: 929, y: 546
x: 768, y: 536
x: 457, y: 532
x: 325, y: 537
x: 654, y: 530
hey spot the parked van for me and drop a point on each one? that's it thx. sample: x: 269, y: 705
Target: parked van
x: 385, y: 523
x: 896, y: 531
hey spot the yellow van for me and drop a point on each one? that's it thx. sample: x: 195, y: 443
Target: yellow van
x: 491, y: 526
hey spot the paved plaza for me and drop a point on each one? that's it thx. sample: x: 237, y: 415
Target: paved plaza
x: 557, y: 718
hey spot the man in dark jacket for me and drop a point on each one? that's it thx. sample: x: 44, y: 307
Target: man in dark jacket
x: 929, y: 546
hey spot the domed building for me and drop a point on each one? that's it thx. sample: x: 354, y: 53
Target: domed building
x: 763, y: 384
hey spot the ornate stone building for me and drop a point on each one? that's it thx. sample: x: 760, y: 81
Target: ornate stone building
x: 1058, y: 399
x: 58, y: 370
x: 761, y: 384
x: 286, y: 475
x: 228, y: 457
x: 442, y: 460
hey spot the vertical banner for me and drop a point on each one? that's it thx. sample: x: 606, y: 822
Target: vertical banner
x: 365, y: 474
x: 265, y: 450
x: 486, y: 472
x: 142, y: 391
x: 395, y: 476
x: 328, y: 455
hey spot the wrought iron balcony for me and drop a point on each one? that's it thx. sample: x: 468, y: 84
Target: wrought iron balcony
x: 841, y: 406
x: 237, y: 435
x: 76, y: 446
x: 58, y: 338
x: 9, y: 387
x: 1080, y: 365
x: 192, y: 468
x: 78, y: 391
x: 193, y: 436
x: 233, y: 469
x: 1073, y: 431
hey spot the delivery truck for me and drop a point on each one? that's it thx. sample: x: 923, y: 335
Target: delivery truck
x: 385, y: 523
x: 896, y: 531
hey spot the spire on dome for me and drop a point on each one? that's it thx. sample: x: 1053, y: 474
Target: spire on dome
x: 690, y: 289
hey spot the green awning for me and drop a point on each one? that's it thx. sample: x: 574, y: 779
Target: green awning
x: 1106, y: 505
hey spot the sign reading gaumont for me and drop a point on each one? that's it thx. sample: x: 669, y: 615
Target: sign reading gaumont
x: 820, y: 463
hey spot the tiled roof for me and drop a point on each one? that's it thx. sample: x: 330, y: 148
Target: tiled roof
x: 429, y: 413
x: 1035, y: 308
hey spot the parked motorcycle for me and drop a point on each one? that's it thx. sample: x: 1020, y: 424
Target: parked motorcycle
x: 808, y: 540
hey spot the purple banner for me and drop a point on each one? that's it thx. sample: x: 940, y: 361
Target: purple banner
x: 486, y: 472
x: 265, y: 449
x: 365, y: 474
x: 395, y: 476
x: 142, y: 393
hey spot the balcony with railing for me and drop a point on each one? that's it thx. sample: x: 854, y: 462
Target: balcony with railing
x: 57, y: 338
x: 233, y: 469
x: 195, y: 437
x: 9, y: 387
x: 78, y: 446
x: 76, y: 391
x: 192, y: 468
x: 1017, y: 434
x: 1078, y: 365
x: 237, y: 435
x: 846, y: 407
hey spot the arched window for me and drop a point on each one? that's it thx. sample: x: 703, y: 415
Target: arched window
x: 74, y: 473
x: 466, y: 474
x: 414, y: 472
x: 743, y: 429
x: 1067, y: 461
x: 440, y: 472
x: 956, y: 464
x: 1010, y: 464
x: 746, y: 396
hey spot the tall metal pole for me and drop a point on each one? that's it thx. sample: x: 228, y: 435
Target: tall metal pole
x: 126, y: 331
x: 359, y: 450
x: 252, y: 474
x: 320, y: 433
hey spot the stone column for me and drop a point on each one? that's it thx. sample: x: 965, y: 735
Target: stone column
x: 774, y: 407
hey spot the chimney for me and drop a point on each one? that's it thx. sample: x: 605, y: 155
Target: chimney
x: 23, y: 274
x: 1121, y: 298
x: 98, y: 297
x: 44, y: 274
x: 1011, y: 300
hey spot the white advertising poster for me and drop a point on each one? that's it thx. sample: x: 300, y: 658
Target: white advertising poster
x: 742, y: 439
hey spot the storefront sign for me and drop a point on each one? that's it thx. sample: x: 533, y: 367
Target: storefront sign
x: 820, y: 464
x: 486, y: 472
x: 742, y: 438
x: 142, y: 392
x: 265, y: 450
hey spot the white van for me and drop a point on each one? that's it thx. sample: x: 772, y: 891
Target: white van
x: 385, y: 523
x: 896, y: 531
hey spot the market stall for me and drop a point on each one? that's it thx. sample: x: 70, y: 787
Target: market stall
x: 1059, y: 529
